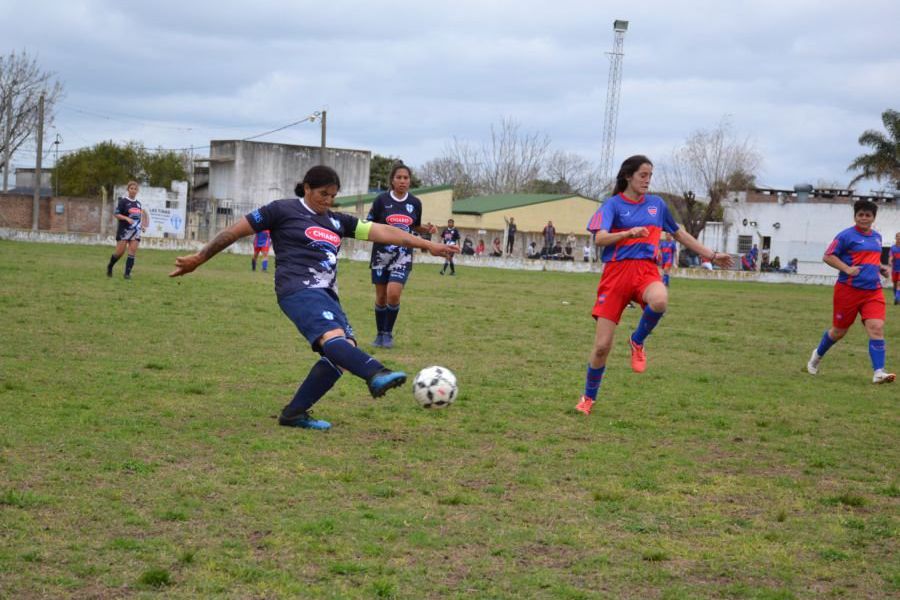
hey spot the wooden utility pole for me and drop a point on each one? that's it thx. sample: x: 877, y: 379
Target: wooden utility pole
x: 322, y: 149
x: 7, y: 140
x: 36, y: 207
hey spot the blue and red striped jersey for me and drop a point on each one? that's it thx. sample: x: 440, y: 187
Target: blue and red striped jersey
x: 666, y: 252
x: 862, y: 250
x: 620, y: 213
x: 262, y: 239
x: 895, y: 253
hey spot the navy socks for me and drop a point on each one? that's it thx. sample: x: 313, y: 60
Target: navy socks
x: 390, y: 317
x: 344, y: 354
x: 321, y: 378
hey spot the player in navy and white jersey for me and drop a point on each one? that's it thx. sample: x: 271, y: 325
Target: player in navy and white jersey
x: 307, y: 236
x: 450, y: 236
x: 133, y: 220
x: 628, y: 227
x: 391, y: 264
x: 856, y: 253
x: 895, y: 268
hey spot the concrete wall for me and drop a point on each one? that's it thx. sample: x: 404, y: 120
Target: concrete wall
x: 254, y: 173
x: 803, y: 230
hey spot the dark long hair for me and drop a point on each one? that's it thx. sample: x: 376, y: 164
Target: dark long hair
x: 397, y: 166
x: 316, y: 177
x: 629, y: 168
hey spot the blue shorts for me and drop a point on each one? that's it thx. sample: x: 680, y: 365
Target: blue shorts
x: 396, y: 270
x: 315, y: 311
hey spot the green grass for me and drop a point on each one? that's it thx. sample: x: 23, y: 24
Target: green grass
x: 139, y: 456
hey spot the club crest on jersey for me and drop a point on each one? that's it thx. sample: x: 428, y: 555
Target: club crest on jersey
x: 396, y: 220
x: 322, y: 235
x: 652, y: 210
x: 336, y: 223
x: 328, y: 315
x: 409, y: 208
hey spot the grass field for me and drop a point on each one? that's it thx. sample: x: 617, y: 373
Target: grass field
x: 139, y: 456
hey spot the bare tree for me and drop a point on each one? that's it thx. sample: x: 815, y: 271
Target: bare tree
x: 504, y: 164
x: 22, y: 82
x: 711, y: 163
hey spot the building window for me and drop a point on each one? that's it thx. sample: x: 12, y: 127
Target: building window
x: 745, y: 243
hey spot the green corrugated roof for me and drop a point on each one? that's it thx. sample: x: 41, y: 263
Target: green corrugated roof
x: 479, y: 205
x: 367, y: 198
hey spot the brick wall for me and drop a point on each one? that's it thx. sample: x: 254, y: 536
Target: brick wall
x: 79, y: 215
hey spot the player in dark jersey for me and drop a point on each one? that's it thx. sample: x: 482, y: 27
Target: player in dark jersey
x: 667, y: 250
x: 391, y: 264
x: 895, y: 268
x: 856, y: 253
x: 628, y: 226
x: 133, y: 220
x: 307, y: 236
x: 450, y: 236
x: 262, y: 241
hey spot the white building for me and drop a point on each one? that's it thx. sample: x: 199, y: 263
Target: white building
x: 791, y: 224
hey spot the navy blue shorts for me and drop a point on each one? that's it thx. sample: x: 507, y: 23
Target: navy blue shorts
x: 315, y: 311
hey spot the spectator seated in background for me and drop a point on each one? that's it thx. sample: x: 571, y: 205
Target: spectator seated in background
x: 479, y: 249
x: 568, y: 252
x: 748, y: 261
x: 496, y: 248
x: 775, y: 265
x: 531, y: 251
x: 467, y: 248
x: 791, y: 266
x: 586, y: 252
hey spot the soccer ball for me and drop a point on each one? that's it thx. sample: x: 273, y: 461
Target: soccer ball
x: 435, y: 387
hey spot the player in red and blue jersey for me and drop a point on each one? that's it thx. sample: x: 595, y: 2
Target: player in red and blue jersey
x: 262, y: 241
x: 666, y: 258
x: 628, y: 227
x: 856, y: 253
x: 391, y: 264
x: 895, y: 268
x: 307, y: 236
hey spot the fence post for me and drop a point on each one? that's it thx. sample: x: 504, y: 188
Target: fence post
x: 103, y: 215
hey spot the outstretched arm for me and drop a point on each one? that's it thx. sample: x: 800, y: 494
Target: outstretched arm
x: 186, y: 264
x: 388, y: 234
x: 722, y: 259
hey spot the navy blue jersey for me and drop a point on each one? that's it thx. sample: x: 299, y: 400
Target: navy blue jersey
x: 450, y: 236
x: 862, y: 250
x: 132, y: 209
x: 405, y: 214
x: 305, y: 243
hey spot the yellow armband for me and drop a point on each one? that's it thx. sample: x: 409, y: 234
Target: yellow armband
x: 362, y: 230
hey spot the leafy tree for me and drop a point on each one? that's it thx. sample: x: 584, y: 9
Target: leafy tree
x: 712, y: 163
x: 21, y: 83
x: 107, y: 164
x: 380, y: 171
x: 545, y: 186
x: 884, y: 160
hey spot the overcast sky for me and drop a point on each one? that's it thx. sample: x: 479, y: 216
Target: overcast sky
x: 801, y: 78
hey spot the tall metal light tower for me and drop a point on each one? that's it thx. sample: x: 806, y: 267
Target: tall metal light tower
x: 613, y: 91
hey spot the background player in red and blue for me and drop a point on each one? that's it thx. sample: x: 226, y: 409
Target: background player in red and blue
x: 628, y: 227
x: 748, y: 261
x: 667, y: 256
x: 856, y: 253
x: 133, y: 220
x: 307, y: 236
x: 391, y: 264
x: 262, y: 241
x: 895, y: 268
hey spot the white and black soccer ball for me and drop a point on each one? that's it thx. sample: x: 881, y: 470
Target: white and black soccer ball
x: 435, y: 387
